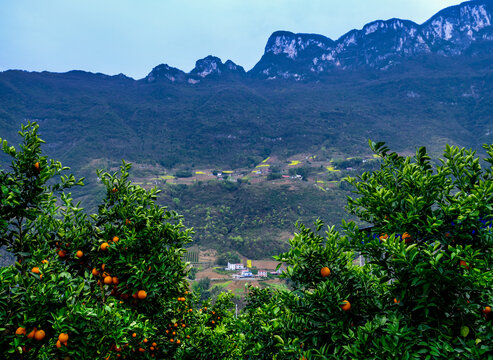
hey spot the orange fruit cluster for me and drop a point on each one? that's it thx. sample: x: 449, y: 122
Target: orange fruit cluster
x: 34, y: 334
x: 62, y: 339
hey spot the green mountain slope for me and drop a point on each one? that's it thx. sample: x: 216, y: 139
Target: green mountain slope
x: 94, y: 120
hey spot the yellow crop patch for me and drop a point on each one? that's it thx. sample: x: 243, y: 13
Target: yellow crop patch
x: 293, y: 163
x: 264, y: 161
x: 331, y: 168
x: 263, y: 165
x: 200, y: 173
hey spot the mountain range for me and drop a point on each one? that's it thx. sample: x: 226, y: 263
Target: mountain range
x: 307, y: 92
x: 378, y: 45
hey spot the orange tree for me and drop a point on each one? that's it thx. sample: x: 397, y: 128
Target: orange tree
x: 425, y: 290
x: 431, y: 244
x: 104, y: 286
x: 330, y: 298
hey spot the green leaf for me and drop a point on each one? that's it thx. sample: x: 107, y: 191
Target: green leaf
x: 464, y: 331
x: 279, y: 339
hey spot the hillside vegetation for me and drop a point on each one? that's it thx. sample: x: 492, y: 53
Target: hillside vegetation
x: 93, y: 121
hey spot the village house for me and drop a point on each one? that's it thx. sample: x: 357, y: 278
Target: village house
x: 246, y: 273
x: 234, y: 267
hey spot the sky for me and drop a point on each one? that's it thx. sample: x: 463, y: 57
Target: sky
x: 133, y: 36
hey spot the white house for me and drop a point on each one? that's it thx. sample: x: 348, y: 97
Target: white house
x: 246, y: 273
x: 234, y: 267
x: 262, y: 273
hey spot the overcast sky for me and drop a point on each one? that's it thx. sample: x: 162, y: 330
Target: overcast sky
x: 133, y: 36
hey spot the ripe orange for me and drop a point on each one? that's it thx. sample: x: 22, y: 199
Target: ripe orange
x: 325, y: 271
x: 134, y: 335
x: 396, y: 301
x: 114, y: 190
x: 79, y: 254
x: 63, y: 337
x: 115, y: 280
x: 58, y: 344
x: 108, y: 280
x: 154, y: 344
x: 31, y: 334
x: 95, y: 272
x: 486, y: 310
x: 127, y: 221
x: 188, y: 336
x: 183, y: 325
x: 384, y: 237
x: 104, y: 246
x: 346, y: 306
x: 20, y: 331
x: 141, y: 294
x: 37, y: 167
x: 44, y: 261
x: 142, y: 350
x: 176, y: 325
x: 35, y: 270
x: 115, y: 238
x: 178, y: 341
x: 39, y: 335
x: 464, y: 264
x: 213, y: 321
x: 62, y: 253
x: 406, y: 237
x: 173, y: 333
x: 102, y: 267
x: 145, y: 340
x: 205, y: 308
x: 171, y: 340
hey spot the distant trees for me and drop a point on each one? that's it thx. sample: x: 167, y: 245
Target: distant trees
x: 229, y: 256
x: 183, y: 174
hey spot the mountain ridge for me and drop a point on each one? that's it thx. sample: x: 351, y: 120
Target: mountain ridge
x: 379, y: 44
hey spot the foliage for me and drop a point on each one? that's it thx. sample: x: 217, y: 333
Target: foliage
x: 253, y: 220
x: 228, y: 257
x: 183, y: 174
